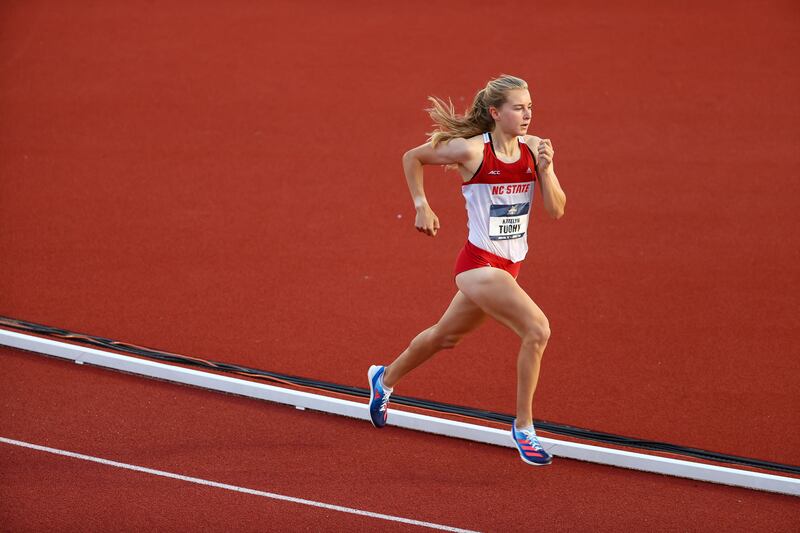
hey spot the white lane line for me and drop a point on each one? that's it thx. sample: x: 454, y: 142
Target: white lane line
x: 225, y: 486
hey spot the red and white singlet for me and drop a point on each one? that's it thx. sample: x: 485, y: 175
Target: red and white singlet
x: 499, y: 198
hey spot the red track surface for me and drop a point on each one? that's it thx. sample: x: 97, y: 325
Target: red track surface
x: 309, y: 455
x: 224, y: 181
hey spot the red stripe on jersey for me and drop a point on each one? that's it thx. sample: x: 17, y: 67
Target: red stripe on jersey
x: 494, y: 171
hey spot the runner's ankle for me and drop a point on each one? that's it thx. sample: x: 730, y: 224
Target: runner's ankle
x: 383, y: 381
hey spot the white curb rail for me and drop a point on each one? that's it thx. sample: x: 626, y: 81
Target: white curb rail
x: 398, y: 418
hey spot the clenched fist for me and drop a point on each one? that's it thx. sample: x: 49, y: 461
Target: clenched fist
x: 426, y: 221
x: 545, y: 155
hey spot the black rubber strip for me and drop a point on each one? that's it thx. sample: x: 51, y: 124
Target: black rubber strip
x: 471, y: 412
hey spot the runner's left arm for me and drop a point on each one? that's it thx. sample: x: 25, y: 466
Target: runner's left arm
x: 553, y: 195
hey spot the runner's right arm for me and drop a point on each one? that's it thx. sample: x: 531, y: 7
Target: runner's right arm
x: 450, y: 152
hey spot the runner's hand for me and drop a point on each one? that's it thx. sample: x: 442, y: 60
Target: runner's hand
x: 426, y: 222
x: 545, y: 154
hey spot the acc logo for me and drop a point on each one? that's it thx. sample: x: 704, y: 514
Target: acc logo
x: 494, y: 172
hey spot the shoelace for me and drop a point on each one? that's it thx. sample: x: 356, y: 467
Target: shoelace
x: 531, y: 436
x: 385, y: 401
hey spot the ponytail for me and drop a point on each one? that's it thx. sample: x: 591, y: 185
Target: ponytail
x: 477, y: 119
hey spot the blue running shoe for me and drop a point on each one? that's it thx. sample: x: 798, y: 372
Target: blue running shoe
x: 378, y: 396
x: 529, y: 447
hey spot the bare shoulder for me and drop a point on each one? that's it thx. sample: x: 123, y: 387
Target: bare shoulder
x: 466, y: 148
x: 532, y: 141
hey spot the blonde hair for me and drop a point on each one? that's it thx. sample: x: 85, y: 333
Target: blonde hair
x: 477, y: 118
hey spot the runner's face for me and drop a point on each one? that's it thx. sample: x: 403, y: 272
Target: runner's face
x: 515, y: 115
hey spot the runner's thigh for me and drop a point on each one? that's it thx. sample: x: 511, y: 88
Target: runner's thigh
x: 498, y: 294
x: 462, y: 316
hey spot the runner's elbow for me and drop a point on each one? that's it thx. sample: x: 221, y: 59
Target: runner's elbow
x: 556, y: 212
x: 410, y: 156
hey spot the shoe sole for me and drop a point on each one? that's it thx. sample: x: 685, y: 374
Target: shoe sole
x: 370, y: 374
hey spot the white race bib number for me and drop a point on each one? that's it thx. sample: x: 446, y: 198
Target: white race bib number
x: 508, y: 221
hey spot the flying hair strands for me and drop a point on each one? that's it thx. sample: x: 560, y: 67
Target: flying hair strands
x: 477, y: 119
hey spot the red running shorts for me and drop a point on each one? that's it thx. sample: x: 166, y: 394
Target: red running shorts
x: 473, y: 257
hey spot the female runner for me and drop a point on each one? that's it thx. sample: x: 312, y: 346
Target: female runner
x: 499, y: 164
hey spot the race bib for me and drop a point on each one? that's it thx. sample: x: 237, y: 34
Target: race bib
x: 508, y: 221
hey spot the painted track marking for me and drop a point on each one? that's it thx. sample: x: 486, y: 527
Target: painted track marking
x: 234, y: 488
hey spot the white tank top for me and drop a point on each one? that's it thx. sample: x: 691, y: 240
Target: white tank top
x: 499, y: 197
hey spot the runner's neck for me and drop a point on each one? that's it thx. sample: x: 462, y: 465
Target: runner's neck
x: 505, y: 144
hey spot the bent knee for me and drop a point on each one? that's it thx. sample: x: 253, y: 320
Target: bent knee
x: 536, y: 332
